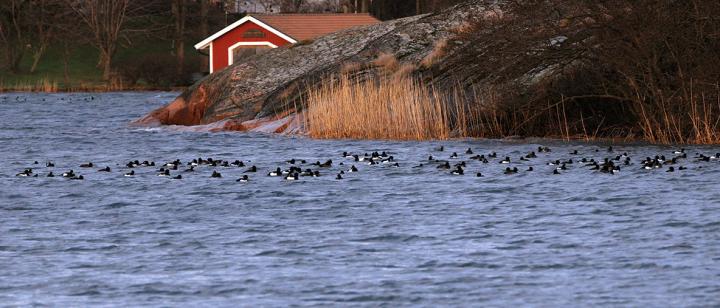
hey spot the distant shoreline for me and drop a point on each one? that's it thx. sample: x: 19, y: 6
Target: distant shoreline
x: 92, y: 90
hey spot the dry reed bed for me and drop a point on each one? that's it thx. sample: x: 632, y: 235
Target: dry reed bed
x: 41, y: 85
x: 403, y: 108
x: 398, y: 108
x: 51, y: 86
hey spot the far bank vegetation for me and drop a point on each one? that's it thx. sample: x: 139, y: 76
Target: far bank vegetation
x: 110, y: 45
x: 626, y: 70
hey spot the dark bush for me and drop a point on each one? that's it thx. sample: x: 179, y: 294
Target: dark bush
x: 156, y: 70
x: 612, y: 68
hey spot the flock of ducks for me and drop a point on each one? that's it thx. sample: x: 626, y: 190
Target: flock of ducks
x: 455, y: 164
x: 5, y: 98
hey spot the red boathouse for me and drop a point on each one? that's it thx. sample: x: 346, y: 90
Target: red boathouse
x: 255, y: 32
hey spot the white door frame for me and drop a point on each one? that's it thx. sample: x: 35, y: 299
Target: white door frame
x: 236, y: 45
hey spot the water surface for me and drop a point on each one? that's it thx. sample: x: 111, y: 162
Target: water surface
x: 383, y: 236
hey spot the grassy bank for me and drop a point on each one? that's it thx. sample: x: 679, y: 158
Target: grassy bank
x: 82, y: 73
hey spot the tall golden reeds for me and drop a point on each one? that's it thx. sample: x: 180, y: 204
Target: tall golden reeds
x: 376, y: 108
x: 40, y: 85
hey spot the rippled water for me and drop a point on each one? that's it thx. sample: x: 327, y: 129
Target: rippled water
x: 383, y: 236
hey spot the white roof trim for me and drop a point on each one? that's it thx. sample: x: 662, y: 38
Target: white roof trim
x: 204, y: 44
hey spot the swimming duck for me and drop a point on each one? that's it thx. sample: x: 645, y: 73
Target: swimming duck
x: 440, y: 149
x: 339, y: 177
x: 308, y: 172
x: 88, y: 165
x: 165, y: 172
x: 292, y: 177
x: 277, y: 172
x: 251, y: 169
x: 671, y: 169
x: 49, y: 164
x: 479, y: 175
x: 469, y: 151
x: 353, y: 169
x: 106, y: 169
x: 446, y: 165
x: 388, y: 160
x: 530, y: 168
x: 51, y: 175
x: 216, y: 174
x: 26, y: 172
x: 511, y: 171
x: 68, y: 174
x: 79, y: 177
x: 131, y: 173
x: 191, y: 169
x: 177, y: 177
x: 172, y: 164
x: 243, y: 179
x: 556, y: 171
x: 458, y: 171
x: 506, y: 160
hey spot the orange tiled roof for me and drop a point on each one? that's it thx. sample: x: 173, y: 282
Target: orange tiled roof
x: 309, y: 26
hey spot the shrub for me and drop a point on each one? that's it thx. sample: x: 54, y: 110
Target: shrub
x: 607, y: 68
x: 156, y: 70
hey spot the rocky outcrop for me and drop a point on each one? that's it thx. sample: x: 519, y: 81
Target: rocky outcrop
x: 266, y: 88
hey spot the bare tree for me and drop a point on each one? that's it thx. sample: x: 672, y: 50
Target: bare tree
x: 105, y: 20
x: 322, y: 6
x: 270, y: 5
x: 28, y: 26
x: 178, y: 9
x: 204, y: 26
x: 292, y: 5
x: 52, y: 18
x: 13, y: 31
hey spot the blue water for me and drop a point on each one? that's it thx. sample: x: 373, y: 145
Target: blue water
x: 385, y: 236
